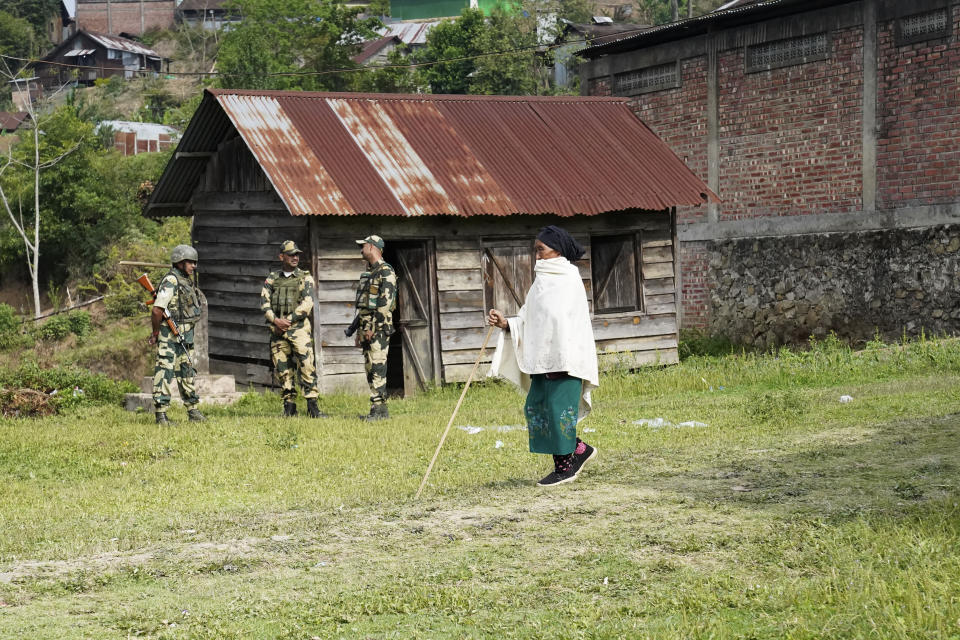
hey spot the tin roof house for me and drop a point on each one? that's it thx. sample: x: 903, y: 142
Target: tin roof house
x: 458, y: 186
x: 88, y: 55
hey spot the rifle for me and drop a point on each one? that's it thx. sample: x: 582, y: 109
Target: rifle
x: 144, y: 281
x: 352, y: 329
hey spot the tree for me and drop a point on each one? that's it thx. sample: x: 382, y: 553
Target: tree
x: 517, y: 72
x: 493, y: 56
x: 49, y: 141
x: 396, y: 76
x: 450, y: 51
x: 16, y: 36
x: 292, y: 37
x: 34, y: 12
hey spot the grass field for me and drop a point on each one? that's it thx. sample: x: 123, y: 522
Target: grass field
x: 784, y: 514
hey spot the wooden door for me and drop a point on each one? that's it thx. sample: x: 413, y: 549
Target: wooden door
x: 414, y: 316
x: 507, y: 273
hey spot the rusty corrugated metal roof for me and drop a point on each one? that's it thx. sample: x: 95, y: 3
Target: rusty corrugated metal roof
x: 415, y: 155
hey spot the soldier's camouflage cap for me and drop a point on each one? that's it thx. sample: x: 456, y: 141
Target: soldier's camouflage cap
x: 376, y: 241
x: 290, y: 248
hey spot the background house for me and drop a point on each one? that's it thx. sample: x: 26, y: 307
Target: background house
x: 131, y: 138
x: 458, y: 186
x: 830, y: 131
x: 576, y: 36
x: 88, y: 55
x: 376, y: 52
x: 10, y: 121
x: 209, y: 14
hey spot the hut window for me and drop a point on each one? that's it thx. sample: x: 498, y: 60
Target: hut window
x: 616, y: 278
x: 788, y: 52
x: 507, y: 272
x: 113, y: 54
x: 923, y: 26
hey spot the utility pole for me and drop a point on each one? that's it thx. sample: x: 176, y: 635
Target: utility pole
x: 674, y: 10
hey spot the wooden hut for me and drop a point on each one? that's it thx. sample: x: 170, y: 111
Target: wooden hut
x: 458, y: 187
x: 87, y: 56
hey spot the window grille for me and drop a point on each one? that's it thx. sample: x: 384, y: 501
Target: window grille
x: 784, y: 53
x: 657, y: 78
x: 923, y: 26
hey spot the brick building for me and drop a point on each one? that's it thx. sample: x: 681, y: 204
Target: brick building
x: 125, y: 16
x: 830, y: 129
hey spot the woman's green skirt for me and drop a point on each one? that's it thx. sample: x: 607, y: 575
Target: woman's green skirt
x: 552, y: 409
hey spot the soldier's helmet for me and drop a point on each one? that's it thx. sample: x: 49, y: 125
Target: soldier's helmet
x: 183, y: 252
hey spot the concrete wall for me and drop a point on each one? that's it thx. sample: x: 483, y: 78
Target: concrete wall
x: 863, y: 138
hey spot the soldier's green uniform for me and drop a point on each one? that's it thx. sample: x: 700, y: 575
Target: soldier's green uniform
x: 376, y: 299
x: 291, y: 297
x: 177, y: 295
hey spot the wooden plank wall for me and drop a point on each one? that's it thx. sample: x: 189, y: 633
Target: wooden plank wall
x: 625, y: 339
x: 237, y: 236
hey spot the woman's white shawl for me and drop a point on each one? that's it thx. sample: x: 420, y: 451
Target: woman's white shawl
x: 551, y: 332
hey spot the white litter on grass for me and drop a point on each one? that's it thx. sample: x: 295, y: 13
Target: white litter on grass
x: 472, y: 430
x: 588, y: 430
x: 846, y: 399
x: 659, y: 423
x: 655, y: 423
x: 498, y: 444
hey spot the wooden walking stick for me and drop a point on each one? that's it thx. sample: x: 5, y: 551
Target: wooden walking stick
x: 455, y: 409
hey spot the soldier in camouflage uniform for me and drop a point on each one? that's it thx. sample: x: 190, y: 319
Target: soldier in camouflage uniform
x: 287, y: 302
x: 177, y: 297
x: 376, y: 300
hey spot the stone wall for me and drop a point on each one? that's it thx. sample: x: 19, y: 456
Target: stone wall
x: 778, y: 290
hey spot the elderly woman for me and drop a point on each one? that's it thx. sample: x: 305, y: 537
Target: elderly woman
x: 549, y: 352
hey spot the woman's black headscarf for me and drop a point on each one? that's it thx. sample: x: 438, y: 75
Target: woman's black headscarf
x: 559, y: 240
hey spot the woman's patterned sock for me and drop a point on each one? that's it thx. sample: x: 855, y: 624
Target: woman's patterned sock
x: 581, y: 447
x: 562, y: 463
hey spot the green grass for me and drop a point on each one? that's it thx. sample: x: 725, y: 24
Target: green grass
x: 789, y: 515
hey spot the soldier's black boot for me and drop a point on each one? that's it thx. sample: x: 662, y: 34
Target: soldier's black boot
x: 195, y: 415
x: 162, y: 419
x: 289, y: 409
x: 313, y: 410
x: 377, y: 412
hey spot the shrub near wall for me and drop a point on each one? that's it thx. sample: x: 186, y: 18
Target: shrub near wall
x: 771, y: 291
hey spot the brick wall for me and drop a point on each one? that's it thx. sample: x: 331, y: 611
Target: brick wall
x: 790, y: 138
x: 679, y: 117
x: 695, y: 284
x: 918, y: 96
x: 125, y: 15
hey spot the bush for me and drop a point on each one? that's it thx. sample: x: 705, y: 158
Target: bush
x: 80, y: 324
x: 54, y: 329
x: 124, y: 304
x: 60, y: 326
x: 9, y: 326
